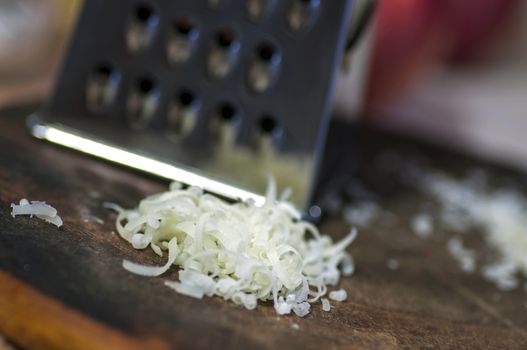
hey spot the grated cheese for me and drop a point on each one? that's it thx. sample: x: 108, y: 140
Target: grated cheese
x: 498, y: 214
x: 39, y: 209
x: 241, y: 252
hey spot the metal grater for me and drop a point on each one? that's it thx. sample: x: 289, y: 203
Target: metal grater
x: 213, y: 93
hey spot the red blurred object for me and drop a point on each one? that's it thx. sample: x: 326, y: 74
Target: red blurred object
x: 414, y: 36
x: 473, y: 24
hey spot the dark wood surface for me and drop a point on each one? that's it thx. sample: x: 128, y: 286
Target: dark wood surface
x: 65, y: 288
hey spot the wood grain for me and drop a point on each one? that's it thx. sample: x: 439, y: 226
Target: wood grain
x: 75, y: 271
x: 34, y: 320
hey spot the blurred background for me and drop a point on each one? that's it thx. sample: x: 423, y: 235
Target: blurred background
x: 33, y: 35
x: 450, y: 71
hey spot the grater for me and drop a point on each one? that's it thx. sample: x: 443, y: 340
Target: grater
x: 216, y: 93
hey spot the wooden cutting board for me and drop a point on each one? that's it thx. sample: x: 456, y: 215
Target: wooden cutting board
x: 65, y: 288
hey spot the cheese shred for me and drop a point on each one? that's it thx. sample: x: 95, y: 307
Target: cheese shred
x: 242, y: 252
x: 39, y: 209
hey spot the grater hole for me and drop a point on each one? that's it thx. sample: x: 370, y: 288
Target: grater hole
x: 145, y: 85
x: 224, y: 53
x: 225, y: 38
x: 184, y: 26
x: 264, y: 68
x: 141, y: 28
x: 104, y: 71
x: 143, y: 102
x: 266, y: 52
x: 183, y: 40
x: 182, y: 114
x: 225, y: 124
x: 186, y: 98
x: 144, y: 13
x: 102, y: 87
x: 227, y: 113
x: 269, y: 125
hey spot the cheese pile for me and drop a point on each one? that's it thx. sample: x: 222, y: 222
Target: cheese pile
x: 242, y: 252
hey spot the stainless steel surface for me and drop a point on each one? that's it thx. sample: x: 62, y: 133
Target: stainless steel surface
x: 232, y: 91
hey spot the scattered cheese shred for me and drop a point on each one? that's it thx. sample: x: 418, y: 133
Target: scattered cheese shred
x: 499, y: 215
x: 241, y: 252
x: 361, y: 214
x: 465, y: 257
x: 39, y: 209
x: 422, y: 225
x: 326, y: 306
x: 338, y: 295
x: 392, y: 264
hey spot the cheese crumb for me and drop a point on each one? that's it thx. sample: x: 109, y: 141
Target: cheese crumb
x: 326, y: 306
x: 338, y: 295
x: 422, y: 225
x: 465, y: 257
x: 39, y: 209
x: 362, y: 214
x: 392, y: 264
